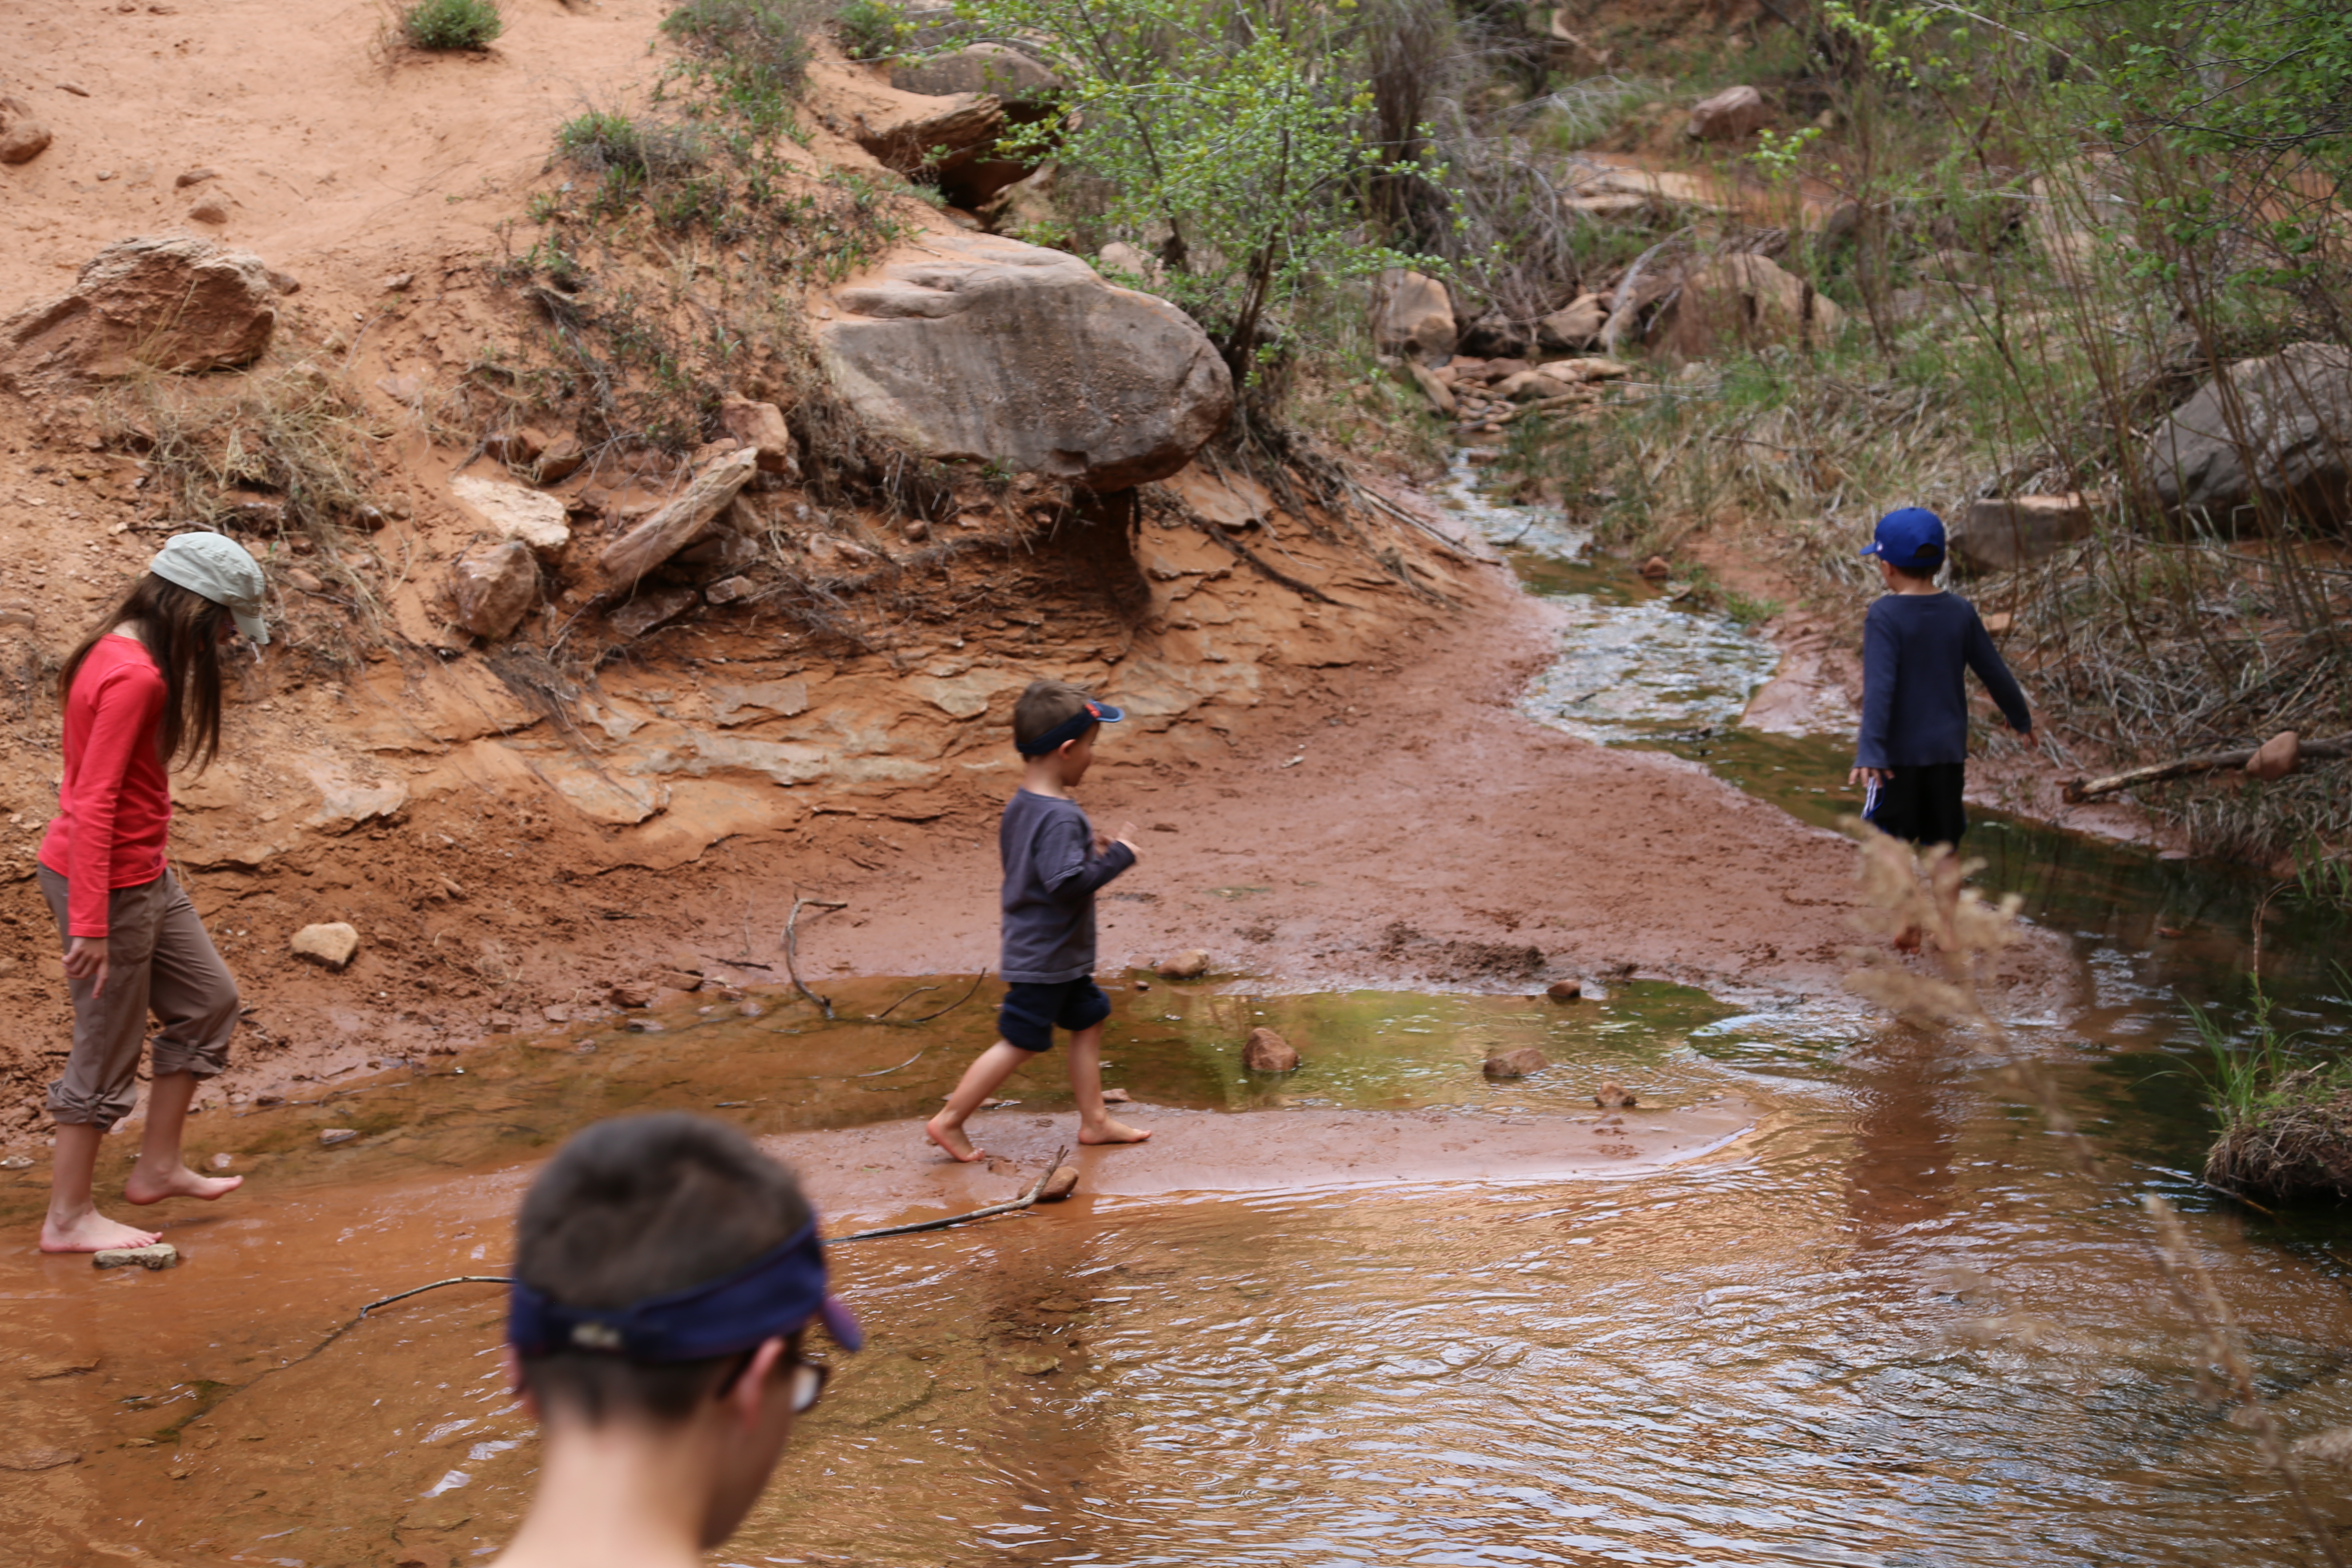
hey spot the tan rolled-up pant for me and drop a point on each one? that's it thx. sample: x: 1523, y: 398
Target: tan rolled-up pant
x: 158, y: 958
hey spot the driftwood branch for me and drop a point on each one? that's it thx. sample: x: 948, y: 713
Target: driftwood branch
x: 2077, y: 791
x: 792, y: 946
x: 1022, y: 1202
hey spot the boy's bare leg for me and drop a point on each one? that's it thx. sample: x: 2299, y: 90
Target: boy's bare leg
x: 996, y: 1063
x: 73, y: 1223
x: 1094, y: 1123
x: 161, y: 1172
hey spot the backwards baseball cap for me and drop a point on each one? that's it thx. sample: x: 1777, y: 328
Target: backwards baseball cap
x: 217, y: 567
x: 1911, y: 538
x: 768, y: 1298
x: 1071, y: 728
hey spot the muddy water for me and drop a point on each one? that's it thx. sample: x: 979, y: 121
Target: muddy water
x: 1884, y: 1323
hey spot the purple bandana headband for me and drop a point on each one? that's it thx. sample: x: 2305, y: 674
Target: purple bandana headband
x: 766, y: 1299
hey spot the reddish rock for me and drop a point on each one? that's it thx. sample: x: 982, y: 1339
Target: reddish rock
x: 633, y: 993
x: 1059, y: 1186
x: 1117, y: 1097
x: 1564, y: 990
x: 23, y: 141
x: 1185, y: 966
x: 2276, y: 757
x: 212, y: 210
x: 517, y: 448
x: 176, y: 304
x: 1658, y: 569
x: 1730, y: 115
x: 494, y: 585
x: 1516, y: 1063
x: 562, y: 458
x: 761, y: 426
x: 1268, y: 1052
x: 330, y: 1136
x: 1614, y: 1096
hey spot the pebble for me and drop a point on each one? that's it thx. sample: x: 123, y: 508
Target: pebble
x: 1614, y: 1096
x: 1185, y: 966
x: 1059, y: 1186
x: 162, y: 1255
x: 330, y: 1136
x: 747, y: 1008
x: 221, y: 1162
x: 1117, y: 1097
x: 1516, y: 1063
x: 1564, y: 990
x: 330, y: 943
x: 17, y: 1162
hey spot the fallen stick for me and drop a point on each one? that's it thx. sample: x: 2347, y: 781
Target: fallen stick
x: 1025, y: 1200
x: 419, y: 1290
x: 2077, y: 791
x: 792, y: 946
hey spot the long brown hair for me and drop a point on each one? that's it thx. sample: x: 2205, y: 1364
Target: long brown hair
x: 181, y: 630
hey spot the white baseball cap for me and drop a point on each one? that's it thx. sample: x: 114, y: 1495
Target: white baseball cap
x: 217, y: 567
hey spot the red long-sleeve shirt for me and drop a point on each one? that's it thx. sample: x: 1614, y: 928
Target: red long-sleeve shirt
x: 114, y: 806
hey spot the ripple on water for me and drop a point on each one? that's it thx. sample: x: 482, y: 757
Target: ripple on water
x: 1633, y: 665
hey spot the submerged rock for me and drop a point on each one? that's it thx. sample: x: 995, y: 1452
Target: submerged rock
x: 974, y: 348
x: 1564, y: 990
x: 1614, y: 1096
x: 1266, y: 1051
x: 1518, y: 1062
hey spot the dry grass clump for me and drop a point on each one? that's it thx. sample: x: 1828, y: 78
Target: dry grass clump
x: 1926, y: 893
x: 2294, y: 1142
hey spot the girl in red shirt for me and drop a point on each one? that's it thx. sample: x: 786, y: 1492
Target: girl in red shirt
x: 142, y: 688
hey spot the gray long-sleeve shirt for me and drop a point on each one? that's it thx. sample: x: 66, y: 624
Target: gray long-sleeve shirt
x: 1916, y: 648
x: 1051, y: 872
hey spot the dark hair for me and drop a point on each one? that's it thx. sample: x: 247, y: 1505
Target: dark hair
x: 639, y: 1207
x: 1919, y: 571
x: 181, y: 630
x: 1043, y: 706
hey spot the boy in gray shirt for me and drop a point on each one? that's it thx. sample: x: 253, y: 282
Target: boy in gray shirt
x: 1054, y: 860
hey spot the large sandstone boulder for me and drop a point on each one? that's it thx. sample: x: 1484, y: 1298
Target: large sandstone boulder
x: 971, y: 347
x: 1747, y: 299
x: 2269, y: 433
x: 173, y: 304
x: 1575, y: 325
x: 978, y: 67
x: 1731, y: 115
x: 2002, y: 535
x: 1412, y: 316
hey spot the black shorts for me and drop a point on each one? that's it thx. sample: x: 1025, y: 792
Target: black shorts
x: 1923, y: 804
x: 1032, y: 1012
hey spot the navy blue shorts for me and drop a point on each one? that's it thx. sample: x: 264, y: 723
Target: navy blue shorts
x: 1032, y: 1012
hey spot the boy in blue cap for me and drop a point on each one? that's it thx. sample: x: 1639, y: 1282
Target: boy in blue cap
x: 1054, y: 861
x: 1912, y: 755
x: 667, y: 1275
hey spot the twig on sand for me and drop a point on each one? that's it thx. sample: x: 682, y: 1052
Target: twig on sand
x: 1025, y: 1200
x: 943, y: 1011
x: 792, y: 946
x: 419, y: 1290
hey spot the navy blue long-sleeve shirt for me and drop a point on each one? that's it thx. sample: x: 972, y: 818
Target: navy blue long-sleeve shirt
x: 1051, y: 872
x: 1914, y: 704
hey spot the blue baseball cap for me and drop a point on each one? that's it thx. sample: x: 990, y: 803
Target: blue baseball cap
x: 1070, y: 729
x: 1911, y: 538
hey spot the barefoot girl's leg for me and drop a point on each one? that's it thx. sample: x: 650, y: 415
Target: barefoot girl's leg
x: 191, y: 990
x: 980, y: 1080
x: 1094, y: 1123
x: 73, y: 1223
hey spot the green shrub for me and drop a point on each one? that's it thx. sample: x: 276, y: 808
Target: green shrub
x: 751, y: 53
x: 871, y: 29
x: 452, y: 23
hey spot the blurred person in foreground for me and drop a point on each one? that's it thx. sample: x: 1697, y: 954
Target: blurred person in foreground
x: 667, y: 1276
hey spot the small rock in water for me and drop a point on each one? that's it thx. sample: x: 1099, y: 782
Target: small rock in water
x: 1658, y: 569
x: 1516, y: 1063
x: 643, y: 1027
x: 331, y: 944
x: 221, y: 1162
x: 747, y: 1008
x: 17, y: 1162
x: 1035, y: 1363
x: 162, y: 1255
x: 1268, y: 1052
x: 330, y: 1136
x: 1059, y: 1186
x: 1117, y: 1097
x: 630, y: 995
x: 1564, y: 990
x: 1614, y: 1096
x: 1185, y: 966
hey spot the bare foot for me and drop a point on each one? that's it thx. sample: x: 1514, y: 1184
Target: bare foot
x: 92, y: 1232
x: 1112, y: 1133
x: 952, y: 1139
x: 179, y: 1182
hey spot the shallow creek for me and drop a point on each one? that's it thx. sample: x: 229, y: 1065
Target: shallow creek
x: 1825, y: 1297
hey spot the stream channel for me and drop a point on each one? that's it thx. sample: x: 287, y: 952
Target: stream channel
x: 1888, y: 1325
